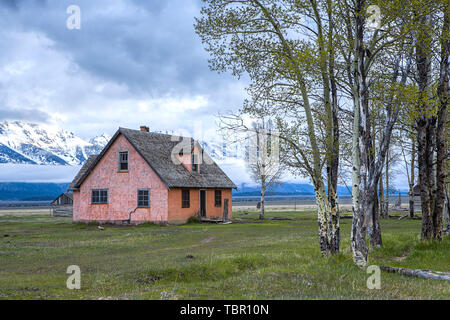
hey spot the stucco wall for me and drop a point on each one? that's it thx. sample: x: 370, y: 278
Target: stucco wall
x: 122, y: 189
x: 179, y: 214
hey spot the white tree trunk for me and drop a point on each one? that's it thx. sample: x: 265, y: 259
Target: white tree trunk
x: 263, y: 193
x: 359, y: 170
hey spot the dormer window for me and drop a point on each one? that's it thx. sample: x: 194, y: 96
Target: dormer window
x: 194, y: 162
x: 123, y: 161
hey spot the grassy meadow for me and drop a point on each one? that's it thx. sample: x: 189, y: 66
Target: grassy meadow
x: 249, y: 259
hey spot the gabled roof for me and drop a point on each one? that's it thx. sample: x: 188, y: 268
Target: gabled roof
x: 67, y: 194
x: 157, y: 149
x: 84, y: 172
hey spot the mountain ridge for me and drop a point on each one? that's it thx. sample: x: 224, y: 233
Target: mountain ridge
x: 29, y: 143
x: 285, y: 188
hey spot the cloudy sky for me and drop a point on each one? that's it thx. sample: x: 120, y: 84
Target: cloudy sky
x: 132, y: 62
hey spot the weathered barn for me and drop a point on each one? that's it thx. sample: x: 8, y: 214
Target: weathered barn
x: 63, y: 205
x: 142, y: 176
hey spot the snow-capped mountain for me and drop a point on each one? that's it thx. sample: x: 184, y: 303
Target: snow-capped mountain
x: 97, y: 144
x: 29, y: 143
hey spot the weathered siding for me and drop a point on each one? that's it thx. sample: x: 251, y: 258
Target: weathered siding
x: 63, y: 211
x: 177, y: 214
x: 122, y: 189
x: 62, y: 200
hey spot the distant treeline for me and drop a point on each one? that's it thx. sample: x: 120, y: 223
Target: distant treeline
x: 31, y: 191
x: 25, y: 191
x: 287, y: 188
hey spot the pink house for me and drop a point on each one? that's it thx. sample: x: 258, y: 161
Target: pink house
x: 142, y: 176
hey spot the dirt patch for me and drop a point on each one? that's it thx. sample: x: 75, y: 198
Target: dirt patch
x: 246, y: 220
x: 24, y: 212
x: 209, y: 239
x: 400, y: 259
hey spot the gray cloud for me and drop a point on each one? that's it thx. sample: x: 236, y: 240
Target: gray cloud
x: 132, y: 62
x: 23, y: 114
x: 127, y: 53
x: 148, y: 46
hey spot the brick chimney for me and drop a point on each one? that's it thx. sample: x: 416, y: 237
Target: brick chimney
x: 145, y: 129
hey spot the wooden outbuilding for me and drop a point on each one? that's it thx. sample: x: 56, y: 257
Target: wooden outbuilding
x: 63, y: 205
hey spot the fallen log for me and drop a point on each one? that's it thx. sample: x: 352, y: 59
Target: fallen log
x: 426, y: 274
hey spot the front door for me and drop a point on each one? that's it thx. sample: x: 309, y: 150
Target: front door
x: 202, y: 203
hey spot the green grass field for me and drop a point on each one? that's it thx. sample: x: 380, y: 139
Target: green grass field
x: 251, y: 260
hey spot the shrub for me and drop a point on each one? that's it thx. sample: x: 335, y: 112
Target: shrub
x: 193, y: 219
